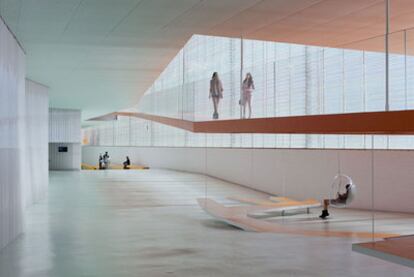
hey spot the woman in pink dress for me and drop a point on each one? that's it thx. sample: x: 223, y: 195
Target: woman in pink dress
x: 247, y: 89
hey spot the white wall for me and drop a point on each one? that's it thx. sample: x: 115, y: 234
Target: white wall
x: 70, y: 160
x: 298, y: 173
x: 64, y: 130
x: 64, y: 125
x: 37, y: 173
x: 12, y: 143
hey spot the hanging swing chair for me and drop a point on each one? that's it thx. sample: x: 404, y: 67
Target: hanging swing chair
x: 338, y: 187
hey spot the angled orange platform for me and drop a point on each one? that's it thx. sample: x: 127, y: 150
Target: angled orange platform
x: 278, y: 204
x: 238, y: 216
x: 392, y: 123
x: 398, y: 250
x: 85, y: 166
x: 121, y: 167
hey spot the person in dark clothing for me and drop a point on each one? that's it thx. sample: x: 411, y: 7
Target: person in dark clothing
x: 340, y: 199
x: 127, y: 163
x: 100, y: 161
x: 106, y: 160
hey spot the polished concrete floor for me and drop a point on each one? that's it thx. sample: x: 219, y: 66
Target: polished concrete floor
x: 147, y: 223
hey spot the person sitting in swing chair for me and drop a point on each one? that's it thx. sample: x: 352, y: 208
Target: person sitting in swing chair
x: 341, y: 199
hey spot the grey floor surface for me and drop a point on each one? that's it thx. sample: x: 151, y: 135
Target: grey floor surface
x: 147, y: 223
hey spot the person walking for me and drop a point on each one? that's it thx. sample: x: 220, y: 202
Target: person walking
x: 216, y: 93
x: 246, y: 99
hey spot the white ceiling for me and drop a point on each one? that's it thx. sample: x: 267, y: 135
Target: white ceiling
x: 101, y: 55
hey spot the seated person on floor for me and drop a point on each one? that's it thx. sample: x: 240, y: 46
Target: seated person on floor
x: 127, y: 163
x: 340, y: 200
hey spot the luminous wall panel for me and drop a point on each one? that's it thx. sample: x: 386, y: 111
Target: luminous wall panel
x: 37, y: 123
x: 64, y: 125
x: 12, y: 143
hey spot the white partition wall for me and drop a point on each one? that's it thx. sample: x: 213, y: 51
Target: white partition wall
x: 12, y: 144
x: 37, y: 109
x: 64, y: 156
x: 64, y: 125
x: 297, y: 173
x: 64, y: 139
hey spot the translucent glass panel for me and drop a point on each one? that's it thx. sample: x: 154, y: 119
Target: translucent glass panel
x: 122, y: 133
x: 289, y: 79
x: 139, y: 132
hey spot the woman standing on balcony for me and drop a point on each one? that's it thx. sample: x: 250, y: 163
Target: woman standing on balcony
x: 216, y: 93
x: 247, y: 89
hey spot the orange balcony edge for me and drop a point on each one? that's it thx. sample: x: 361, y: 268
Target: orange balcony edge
x: 174, y: 122
x: 385, y: 123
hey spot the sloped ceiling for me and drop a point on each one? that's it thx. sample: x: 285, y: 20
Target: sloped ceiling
x: 101, y: 55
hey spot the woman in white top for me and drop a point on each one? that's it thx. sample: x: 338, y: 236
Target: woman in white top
x: 216, y: 93
x: 246, y: 99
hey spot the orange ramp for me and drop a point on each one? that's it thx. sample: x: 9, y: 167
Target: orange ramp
x: 237, y: 216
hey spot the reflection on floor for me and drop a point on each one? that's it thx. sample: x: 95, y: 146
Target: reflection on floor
x: 148, y: 223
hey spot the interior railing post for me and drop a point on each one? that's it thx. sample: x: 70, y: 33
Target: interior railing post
x: 241, y: 73
x: 387, y: 30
